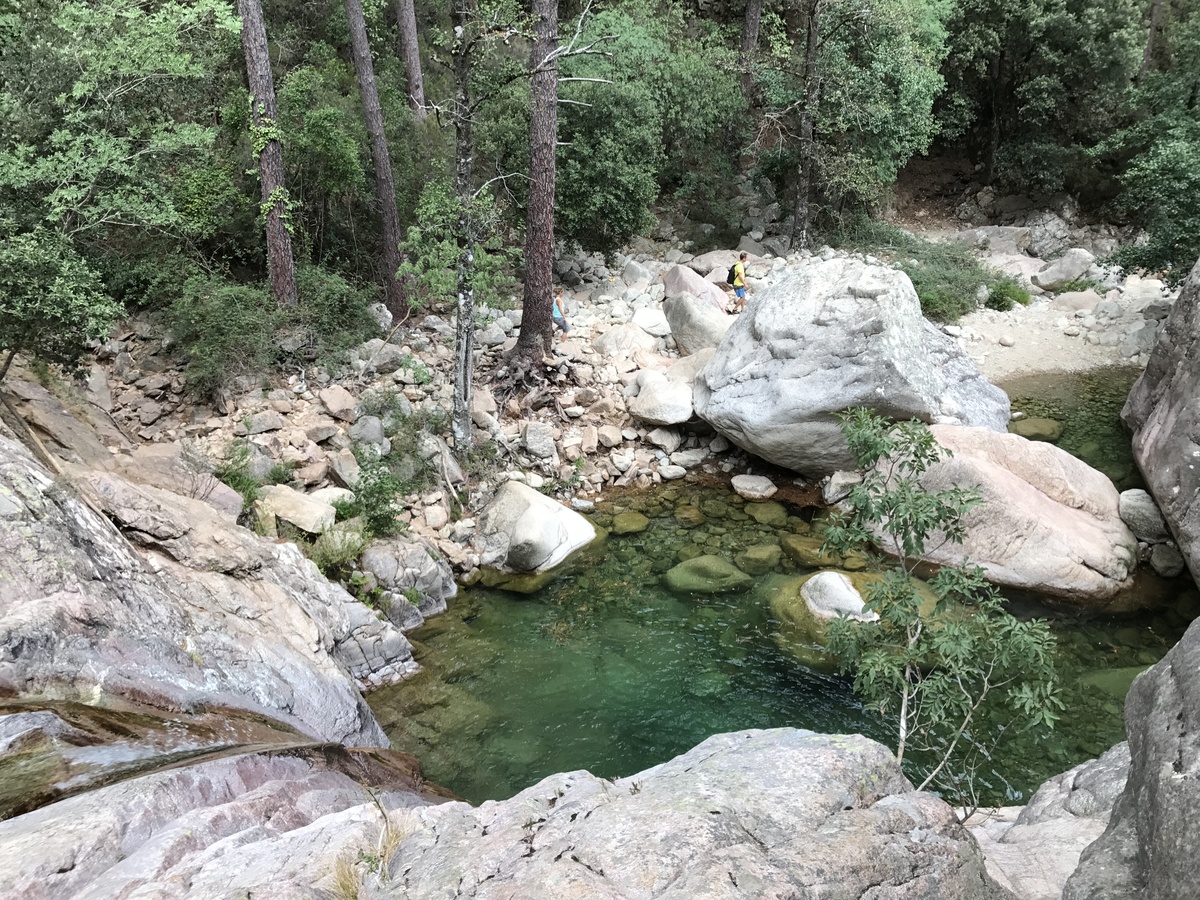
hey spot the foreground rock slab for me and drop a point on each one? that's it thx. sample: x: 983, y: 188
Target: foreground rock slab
x: 200, y: 613
x: 835, y: 335
x: 269, y: 824
x: 754, y: 814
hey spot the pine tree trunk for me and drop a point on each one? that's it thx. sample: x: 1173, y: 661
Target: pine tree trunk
x: 385, y: 189
x: 410, y: 52
x: 280, y: 266
x: 462, y: 18
x: 536, y: 336
x: 750, y: 29
x: 812, y: 97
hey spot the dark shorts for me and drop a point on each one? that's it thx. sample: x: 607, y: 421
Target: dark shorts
x: 561, y: 323
x: 740, y: 293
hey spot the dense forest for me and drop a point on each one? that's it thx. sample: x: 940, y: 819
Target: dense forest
x: 284, y: 163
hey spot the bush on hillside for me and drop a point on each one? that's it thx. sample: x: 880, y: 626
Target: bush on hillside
x: 226, y: 329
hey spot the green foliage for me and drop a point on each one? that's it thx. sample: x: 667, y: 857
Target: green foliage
x: 227, y: 329
x: 937, y: 674
x: 375, y: 493
x: 1034, y: 83
x: 431, y: 251
x: 280, y: 473
x: 1006, y: 293
x: 336, y: 551
x: 878, y: 71
x: 1162, y: 187
x: 235, y: 472
x: 52, y: 303
x: 947, y: 276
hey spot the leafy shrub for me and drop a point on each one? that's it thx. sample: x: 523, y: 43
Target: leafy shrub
x: 235, y: 472
x: 53, y: 303
x: 280, y: 473
x: 336, y: 551
x: 1004, y: 294
x: 375, y: 493
x: 226, y: 329
x: 947, y: 276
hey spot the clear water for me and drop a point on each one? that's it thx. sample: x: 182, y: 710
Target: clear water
x: 606, y: 670
x: 1088, y: 405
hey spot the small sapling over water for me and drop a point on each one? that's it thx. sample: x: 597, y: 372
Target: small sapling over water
x: 945, y: 675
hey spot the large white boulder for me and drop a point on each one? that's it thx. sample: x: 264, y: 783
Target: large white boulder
x: 524, y: 531
x: 835, y: 335
x: 624, y: 340
x: 1048, y: 522
x: 682, y: 280
x: 694, y: 323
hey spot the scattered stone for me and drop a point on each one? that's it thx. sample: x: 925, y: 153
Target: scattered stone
x: 753, y: 487
x: 538, y: 438
x: 609, y: 436
x: 839, y: 485
x: 671, y: 472
x: 339, y: 402
x: 301, y: 510
x: 1139, y: 511
x: 1166, y: 560
x: 768, y: 513
x: 758, y: 559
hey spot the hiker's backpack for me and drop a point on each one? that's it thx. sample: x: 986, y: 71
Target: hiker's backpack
x: 731, y: 275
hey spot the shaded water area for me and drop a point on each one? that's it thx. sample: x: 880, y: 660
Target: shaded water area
x: 54, y: 749
x: 1088, y: 406
x: 609, y: 671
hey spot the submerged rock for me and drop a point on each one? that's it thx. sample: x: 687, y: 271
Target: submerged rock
x: 707, y: 575
x: 836, y: 335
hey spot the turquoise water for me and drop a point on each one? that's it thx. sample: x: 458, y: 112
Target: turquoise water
x: 606, y: 670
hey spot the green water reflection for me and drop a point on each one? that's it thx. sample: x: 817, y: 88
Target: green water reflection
x: 1088, y: 406
x: 606, y: 670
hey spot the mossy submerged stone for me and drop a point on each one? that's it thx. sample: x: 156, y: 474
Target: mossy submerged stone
x: 768, y: 512
x: 758, y: 559
x: 802, y: 633
x: 1037, y: 429
x: 707, y: 575
x: 629, y: 523
x: 805, y: 549
x: 689, y: 516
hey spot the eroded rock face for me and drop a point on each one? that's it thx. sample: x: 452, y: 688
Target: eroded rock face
x: 835, y: 335
x: 1164, y: 412
x: 1048, y: 522
x: 780, y: 813
x: 269, y: 824
x: 1033, y: 850
x: 1149, y: 847
x: 203, y: 612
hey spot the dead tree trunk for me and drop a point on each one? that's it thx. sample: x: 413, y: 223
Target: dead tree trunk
x: 385, y: 188
x: 462, y: 18
x: 410, y: 52
x: 280, y: 265
x: 536, y: 336
x: 750, y: 29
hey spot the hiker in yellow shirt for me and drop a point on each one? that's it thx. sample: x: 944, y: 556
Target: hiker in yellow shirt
x: 739, y: 283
